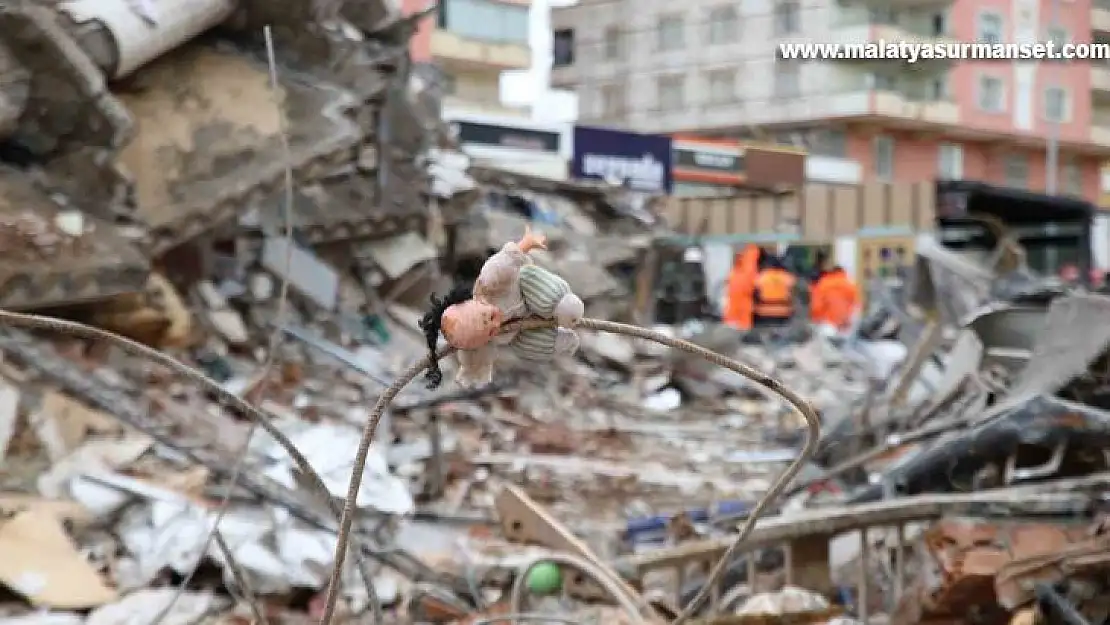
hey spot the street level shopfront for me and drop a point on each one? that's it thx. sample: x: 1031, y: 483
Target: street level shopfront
x: 718, y: 167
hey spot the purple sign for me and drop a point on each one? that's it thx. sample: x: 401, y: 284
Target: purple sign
x: 635, y: 161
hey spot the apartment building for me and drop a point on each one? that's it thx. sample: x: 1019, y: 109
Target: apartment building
x: 472, y: 42
x: 710, y: 67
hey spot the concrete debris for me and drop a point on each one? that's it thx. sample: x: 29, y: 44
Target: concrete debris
x: 961, y: 470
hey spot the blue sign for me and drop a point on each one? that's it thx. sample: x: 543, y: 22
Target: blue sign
x: 635, y: 161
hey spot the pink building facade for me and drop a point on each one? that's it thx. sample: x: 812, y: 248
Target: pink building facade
x: 1008, y: 110
x: 420, y: 47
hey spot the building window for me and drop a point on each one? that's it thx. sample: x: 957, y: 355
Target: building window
x: 1072, y: 179
x: 881, y: 82
x: 937, y: 89
x: 722, y: 86
x: 722, y: 25
x: 612, y: 101
x: 1017, y: 171
x: 670, y: 92
x: 787, y: 79
x: 787, y: 18
x: 829, y: 142
x: 990, y: 27
x: 884, y: 158
x: 991, y: 94
x: 938, y: 23
x: 1056, y: 105
x: 670, y: 32
x: 613, y: 43
x: 882, y: 15
x: 950, y: 161
x: 1058, y: 35
x: 487, y: 20
x: 562, y: 47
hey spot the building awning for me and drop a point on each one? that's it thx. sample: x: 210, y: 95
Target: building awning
x: 957, y: 199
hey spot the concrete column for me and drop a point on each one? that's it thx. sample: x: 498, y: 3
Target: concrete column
x: 123, y: 35
x: 1100, y: 242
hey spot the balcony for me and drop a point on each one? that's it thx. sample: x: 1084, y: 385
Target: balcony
x: 1100, y: 128
x: 885, y: 108
x: 492, y: 106
x: 896, y: 32
x: 940, y: 112
x: 899, y: 106
x: 853, y: 29
x: 482, y: 34
x: 455, y: 50
x: 1100, y: 16
x: 893, y: 104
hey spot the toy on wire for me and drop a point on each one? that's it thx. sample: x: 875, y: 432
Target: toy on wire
x: 509, y: 286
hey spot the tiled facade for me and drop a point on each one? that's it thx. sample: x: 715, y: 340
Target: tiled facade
x: 709, y: 67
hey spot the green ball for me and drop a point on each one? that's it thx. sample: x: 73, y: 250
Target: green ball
x: 545, y: 578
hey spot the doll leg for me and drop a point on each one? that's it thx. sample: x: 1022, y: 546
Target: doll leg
x: 537, y: 345
x: 566, y: 341
x: 475, y: 367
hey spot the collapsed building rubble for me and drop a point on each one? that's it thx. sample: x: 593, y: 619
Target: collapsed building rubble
x: 631, y: 458
x: 961, y: 468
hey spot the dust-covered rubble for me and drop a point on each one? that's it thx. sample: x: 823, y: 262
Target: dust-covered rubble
x: 960, y: 467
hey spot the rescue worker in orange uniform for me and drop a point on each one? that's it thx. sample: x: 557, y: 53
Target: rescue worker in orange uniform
x: 834, y: 299
x: 773, y: 300
x: 741, y: 286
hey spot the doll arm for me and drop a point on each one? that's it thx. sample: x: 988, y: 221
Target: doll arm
x: 498, y: 275
x: 531, y: 241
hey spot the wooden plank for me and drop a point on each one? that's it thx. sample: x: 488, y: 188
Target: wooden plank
x: 775, y: 530
x: 522, y: 519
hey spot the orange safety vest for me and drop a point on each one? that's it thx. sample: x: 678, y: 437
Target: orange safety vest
x: 775, y: 294
x: 834, y: 300
x: 741, y: 283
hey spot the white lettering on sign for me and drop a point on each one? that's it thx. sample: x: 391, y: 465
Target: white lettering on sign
x: 713, y: 160
x: 646, y: 173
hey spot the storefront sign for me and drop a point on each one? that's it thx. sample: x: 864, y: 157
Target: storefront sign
x: 727, y: 163
x: 640, y: 162
x: 713, y: 162
x: 474, y: 133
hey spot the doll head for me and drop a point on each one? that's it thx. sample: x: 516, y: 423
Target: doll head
x: 470, y: 324
x: 431, y: 322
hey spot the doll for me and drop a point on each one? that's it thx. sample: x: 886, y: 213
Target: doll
x: 547, y: 296
x: 509, y: 286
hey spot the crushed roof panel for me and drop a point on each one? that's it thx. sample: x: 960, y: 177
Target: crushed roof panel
x: 208, y: 137
x: 53, y: 256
